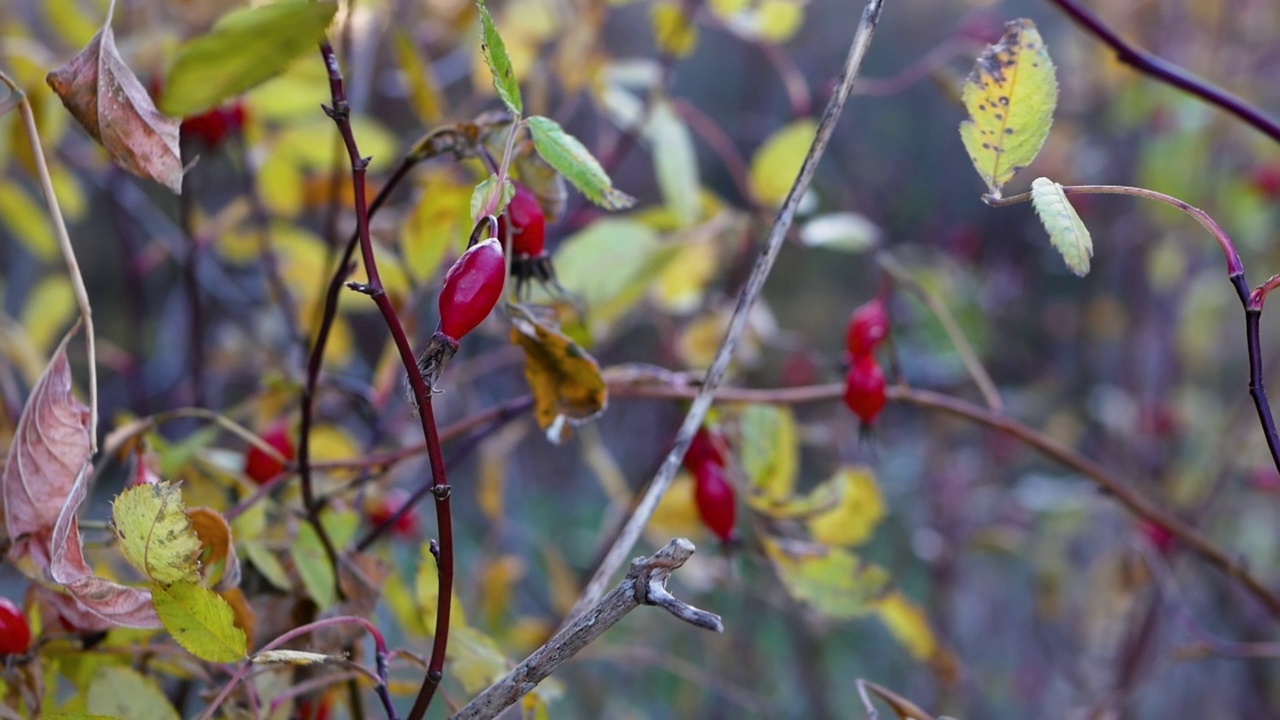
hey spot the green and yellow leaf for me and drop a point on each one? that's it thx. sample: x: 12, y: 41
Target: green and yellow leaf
x: 776, y: 164
x: 201, y: 621
x: 120, y: 692
x: 155, y: 533
x: 1066, y: 230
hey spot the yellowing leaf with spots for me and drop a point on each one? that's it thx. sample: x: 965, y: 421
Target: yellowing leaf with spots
x: 567, y: 386
x: 776, y: 164
x: 1010, y: 96
x: 155, y: 533
x: 1066, y: 230
x: 857, y: 512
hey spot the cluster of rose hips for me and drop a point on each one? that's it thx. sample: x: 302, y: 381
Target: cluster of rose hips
x: 712, y: 491
x: 864, y: 384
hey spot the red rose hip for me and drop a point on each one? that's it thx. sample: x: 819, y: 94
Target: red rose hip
x: 472, y: 288
x: 864, y: 388
x: 868, y: 327
x: 261, y: 467
x: 528, y: 224
x: 706, y: 448
x: 15, y: 633
x: 713, y: 495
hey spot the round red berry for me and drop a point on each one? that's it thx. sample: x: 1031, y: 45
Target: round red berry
x: 864, y: 388
x: 528, y: 224
x: 381, y: 509
x: 713, y: 495
x: 15, y: 633
x: 868, y: 327
x: 472, y: 288
x: 261, y: 467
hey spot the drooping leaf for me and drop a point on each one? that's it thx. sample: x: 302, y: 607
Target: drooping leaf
x: 50, y: 451
x: 675, y: 162
x: 909, y: 625
x: 567, y: 386
x: 832, y: 580
x: 121, y: 692
x: 770, y: 451
x: 482, y: 196
x: 244, y: 48
x: 293, y: 657
x: 1010, y: 95
x: 1066, y: 230
x: 495, y: 55
x: 217, y: 550
x: 858, y: 509
x: 155, y: 534
x: 424, y: 88
x: 200, y: 620
x: 776, y: 164
x: 111, y: 104
x: 568, y: 155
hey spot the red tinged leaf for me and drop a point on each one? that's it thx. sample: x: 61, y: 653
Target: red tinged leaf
x: 50, y: 449
x: 713, y: 496
x: 868, y: 327
x: 15, y: 633
x: 472, y: 288
x: 112, y: 105
x: 864, y: 388
x: 528, y: 224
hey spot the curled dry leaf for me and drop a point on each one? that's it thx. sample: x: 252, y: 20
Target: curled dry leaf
x: 566, y: 382
x: 112, y: 105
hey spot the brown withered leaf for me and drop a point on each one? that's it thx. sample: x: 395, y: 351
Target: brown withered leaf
x: 566, y: 382
x: 50, y: 449
x: 111, y: 104
x: 215, y: 537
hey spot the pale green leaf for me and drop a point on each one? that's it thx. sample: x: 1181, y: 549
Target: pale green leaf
x: 675, y: 162
x: 495, y: 54
x: 770, y: 451
x: 832, y: 581
x: 293, y: 657
x: 266, y: 563
x: 1066, y: 230
x: 244, y: 48
x: 776, y: 164
x: 482, y: 196
x: 312, y: 562
x: 845, y: 231
x: 567, y: 154
x: 1010, y: 95
x: 120, y: 692
x: 201, y: 621
x: 155, y: 534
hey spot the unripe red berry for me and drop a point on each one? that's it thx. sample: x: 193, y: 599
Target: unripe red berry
x: 1266, y: 181
x: 212, y: 127
x: 705, y: 448
x: 381, y: 509
x: 472, y: 288
x: 864, y: 388
x: 528, y: 224
x: 868, y: 327
x: 261, y: 467
x: 713, y: 495
x: 15, y: 633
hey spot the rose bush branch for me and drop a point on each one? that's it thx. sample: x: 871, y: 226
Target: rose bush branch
x: 341, y: 115
x: 737, y: 324
x: 645, y: 584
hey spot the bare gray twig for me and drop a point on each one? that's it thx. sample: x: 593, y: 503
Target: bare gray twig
x: 645, y: 584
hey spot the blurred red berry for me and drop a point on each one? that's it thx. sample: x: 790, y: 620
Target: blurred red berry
x: 15, y: 633
x: 1266, y: 180
x: 713, y: 495
x: 868, y: 327
x: 707, y: 447
x: 213, y: 127
x: 1160, y: 536
x: 261, y: 467
x: 472, y: 288
x: 864, y: 388
x: 528, y: 223
x: 381, y: 509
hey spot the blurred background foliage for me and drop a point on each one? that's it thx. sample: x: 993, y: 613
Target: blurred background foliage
x: 1042, y: 597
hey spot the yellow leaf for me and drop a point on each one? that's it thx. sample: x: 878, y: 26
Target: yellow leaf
x: 1010, y: 96
x: 769, y: 450
x: 497, y: 581
x: 66, y: 185
x: 27, y: 220
x: 282, y: 184
x: 476, y: 658
x: 860, y: 508
x: 155, y: 534
x: 201, y: 621
x: 424, y: 89
x: 683, y: 284
x: 566, y: 382
x: 778, y: 20
x: 674, y: 31
x: 1067, y: 231
x: 121, y: 692
x: 310, y: 559
x: 48, y: 311
x: 437, y: 225
x: 776, y: 164
x: 676, y: 514
x: 403, y: 607
x: 908, y: 624
x: 831, y: 580
x: 427, y: 593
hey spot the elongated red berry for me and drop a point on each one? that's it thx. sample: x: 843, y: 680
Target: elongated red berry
x: 261, y: 467
x: 15, y: 633
x: 528, y: 223
x: 713, y: 495
x: 707, y: 447
x: 868, y: 327
x: 864, y: 388
x: 472, y: 288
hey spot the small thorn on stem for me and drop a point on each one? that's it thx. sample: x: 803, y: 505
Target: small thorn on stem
x: 441, y: 492
x: 333, y: 115
x: 434, y: 548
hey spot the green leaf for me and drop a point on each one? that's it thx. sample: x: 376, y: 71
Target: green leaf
x: 675, y: 163
x: 776, y: 164
x: 770, y: 451
x: 27, y: 221
x: 567, y: 154
x: 244, y: 48
x: 831, y: 580
x: 201, y: 621
x: 495, y: 54
x: 310, y: 559
x: 120, y: 692
x: 1010, y: 95
x: 155, y: 534
x: 483, y: 194
x: 1066, y: 230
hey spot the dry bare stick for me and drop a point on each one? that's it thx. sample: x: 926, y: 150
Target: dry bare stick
x: 737, y: 324
x: 645, y: 584
x: 68, y: 253
x: 904, y: 708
